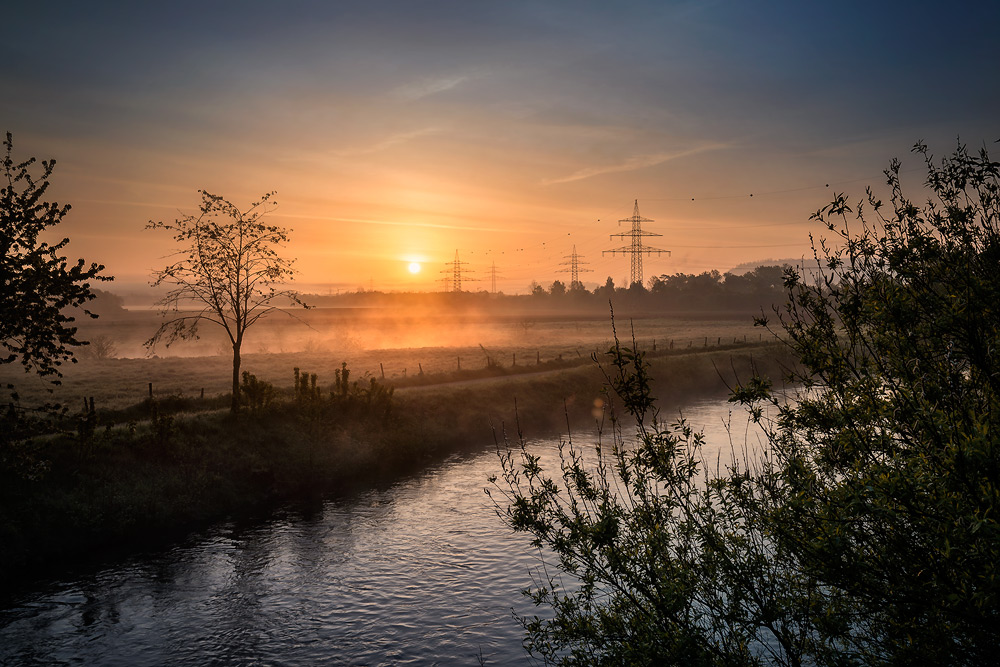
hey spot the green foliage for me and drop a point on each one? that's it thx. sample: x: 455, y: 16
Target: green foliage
x: 366, y: 400
x: 642, y: 538
x: 163, y: 428
x: 40, y: 288
x: 866, y: 533
x: 257, y: 394
x: 20, y: 456
x: 889, y: 469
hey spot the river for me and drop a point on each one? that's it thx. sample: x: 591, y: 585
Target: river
x: 420, y: 573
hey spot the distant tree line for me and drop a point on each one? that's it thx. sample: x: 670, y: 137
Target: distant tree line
x: 761, y: 288
x: 710, y: 290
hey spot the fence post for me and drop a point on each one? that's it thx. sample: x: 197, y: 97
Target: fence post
x: 150, y: 391
x: 381, y: 368
x: 459, y: 363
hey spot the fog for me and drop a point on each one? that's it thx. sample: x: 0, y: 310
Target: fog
x: 353, y: 330
x: 568, y: 322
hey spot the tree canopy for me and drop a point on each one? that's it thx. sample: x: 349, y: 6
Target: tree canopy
x: 228, y: 272
x: 41, y: 288
x: 866, y: 532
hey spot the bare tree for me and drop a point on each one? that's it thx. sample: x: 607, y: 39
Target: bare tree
x: 101, y: 347
x: 227, y: 272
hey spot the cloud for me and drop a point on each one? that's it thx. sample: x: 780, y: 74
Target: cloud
x: 360, y: 150
x: 394, y: 223
x: 631, y: 164
x: 387, y: 142
x: 429, y: 86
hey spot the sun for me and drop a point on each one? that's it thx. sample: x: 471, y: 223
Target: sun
x: 414, y: 267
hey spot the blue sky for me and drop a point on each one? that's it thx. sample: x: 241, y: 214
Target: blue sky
x: 402, y: 131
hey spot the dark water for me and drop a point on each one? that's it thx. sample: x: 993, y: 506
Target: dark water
x: 421, y: 573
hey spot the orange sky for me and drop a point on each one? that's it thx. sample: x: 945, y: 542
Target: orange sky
x: 509, y: 133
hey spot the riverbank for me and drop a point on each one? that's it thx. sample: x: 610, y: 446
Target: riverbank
x: 68, y: 498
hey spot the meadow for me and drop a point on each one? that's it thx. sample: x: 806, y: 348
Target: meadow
x: 402, y: 350
x: 146, y: 469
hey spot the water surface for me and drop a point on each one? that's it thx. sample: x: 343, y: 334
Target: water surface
x: 420, y: 573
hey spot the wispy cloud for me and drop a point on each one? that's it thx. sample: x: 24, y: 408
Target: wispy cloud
x: 429, y: 86
x: 393, y: 223
x: 387, y: 142
x: 631, y: 164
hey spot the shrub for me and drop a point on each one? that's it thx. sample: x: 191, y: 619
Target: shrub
x: 866, y: 534
x: 257, y: 394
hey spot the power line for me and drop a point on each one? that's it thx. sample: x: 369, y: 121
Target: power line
x: 456, y: 272
x: 493, y: 277
x: 636, y: 248
x: 741, y: 246
x: 574, y: 263
x: 866, y: 179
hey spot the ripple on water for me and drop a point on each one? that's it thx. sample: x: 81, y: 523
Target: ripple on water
x: 422, y: 573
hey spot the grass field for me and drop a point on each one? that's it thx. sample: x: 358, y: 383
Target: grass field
x: 151, y: 469
x: 189, y: 368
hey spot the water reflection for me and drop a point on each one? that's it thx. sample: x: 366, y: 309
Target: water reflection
x: 421, y: 573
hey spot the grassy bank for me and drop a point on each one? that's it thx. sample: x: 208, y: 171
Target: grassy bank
x: 154, y: 473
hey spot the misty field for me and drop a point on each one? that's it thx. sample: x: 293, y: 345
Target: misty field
x: 403, y: 349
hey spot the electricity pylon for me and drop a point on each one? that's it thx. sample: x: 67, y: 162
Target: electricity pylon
x: 456, y: 272
x: 636, y: 248
x: 493, y: 278
x: 574, y: 269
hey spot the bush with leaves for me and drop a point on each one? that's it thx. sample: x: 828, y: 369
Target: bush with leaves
x: 40, y: 288
x: 366, y: 399
x: 648, y: 546
x: 866, y: 533
x: 257, y: 394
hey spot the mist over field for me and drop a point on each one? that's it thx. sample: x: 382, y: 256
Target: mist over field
x: 336, y: 332
x: 395, y: 338
x: 547, y: 317
x: 352, y: 330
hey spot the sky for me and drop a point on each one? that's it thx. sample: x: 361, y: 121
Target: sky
x: 511, y: 132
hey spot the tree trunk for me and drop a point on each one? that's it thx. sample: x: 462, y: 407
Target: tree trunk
x: 235, y: 405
